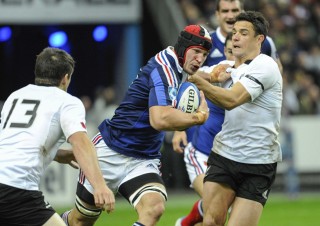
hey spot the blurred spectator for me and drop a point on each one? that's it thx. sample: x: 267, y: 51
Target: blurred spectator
x: 90, y: 123
x: 290, y: 106
x: 104, y: 104
x: 307, y: 92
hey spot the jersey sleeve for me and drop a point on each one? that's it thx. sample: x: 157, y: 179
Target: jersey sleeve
x: 260, y: 75
x: 72, y: 117
x: 162, y: 90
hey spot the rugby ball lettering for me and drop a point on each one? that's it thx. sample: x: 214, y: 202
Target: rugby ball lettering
x: 188, y: 97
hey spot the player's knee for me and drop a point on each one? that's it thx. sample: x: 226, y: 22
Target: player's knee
x: 158, y: 209
x: 84, y: 214
x: 151, y: 201
x: 153, y: 210
x: 78, y: 219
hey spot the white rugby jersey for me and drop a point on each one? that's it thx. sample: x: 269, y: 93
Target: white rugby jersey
x: 250, y: 132
x: 35, y: 121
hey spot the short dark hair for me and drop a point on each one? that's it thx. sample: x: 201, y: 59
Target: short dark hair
x: 218, y: 3
x: 259, y: 22
x: 228, y: 38
x: 52, y: 64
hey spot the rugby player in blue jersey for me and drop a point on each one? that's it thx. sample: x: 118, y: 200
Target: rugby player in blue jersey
x: 196, y: 142
x: 128, y: 145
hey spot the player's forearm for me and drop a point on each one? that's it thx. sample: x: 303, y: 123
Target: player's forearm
x: 86, y: 157
x: 221, y: 97
x: 171, y: 119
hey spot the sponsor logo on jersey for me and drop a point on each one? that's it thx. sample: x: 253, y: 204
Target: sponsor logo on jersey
x: 173, y: 91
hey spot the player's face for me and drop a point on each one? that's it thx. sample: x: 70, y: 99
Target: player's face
x: 228, y: 50
x: 227, y: 14
x: 245, y: 43
x: 194, y: 58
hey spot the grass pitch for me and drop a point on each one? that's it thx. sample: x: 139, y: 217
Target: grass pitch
x: 279, y: 210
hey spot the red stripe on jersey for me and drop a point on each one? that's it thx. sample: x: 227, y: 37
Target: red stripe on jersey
x: 166, y: 70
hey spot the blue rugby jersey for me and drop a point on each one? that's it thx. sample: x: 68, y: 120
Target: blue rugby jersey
x: 202, y: 136
x: 129, y: 131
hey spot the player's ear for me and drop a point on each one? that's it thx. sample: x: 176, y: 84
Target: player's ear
x: 65, y: 81
x: 261, y: 38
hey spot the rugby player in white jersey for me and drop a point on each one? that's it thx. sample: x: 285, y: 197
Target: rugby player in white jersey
x: 243, y: 161
x: 196, y: 142
x: 35, y: 121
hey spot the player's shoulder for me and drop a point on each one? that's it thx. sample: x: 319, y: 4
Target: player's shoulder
x: 265, y: 63
x: 69, y: 98
x: 61, y: 97
x: 263, y: 59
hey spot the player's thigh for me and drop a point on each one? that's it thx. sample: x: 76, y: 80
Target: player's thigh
x: 217, y: 198
x: 54, y: 220
x: 198, y: 184
x: 245, y: 212
x: 144, y: 178
x: 113, y: 167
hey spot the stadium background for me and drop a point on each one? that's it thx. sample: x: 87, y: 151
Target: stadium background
x: 136, y: 31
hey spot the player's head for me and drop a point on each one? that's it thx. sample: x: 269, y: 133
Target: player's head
x: 248, y: 34
x: 192, y: 36
x: 226, y: 12
x: 228, y: 47
x: 52, y: 65
x: 258, y: 21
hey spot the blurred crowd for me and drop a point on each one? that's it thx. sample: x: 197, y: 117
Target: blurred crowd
x: 102, y: 107
x: 295, y: 28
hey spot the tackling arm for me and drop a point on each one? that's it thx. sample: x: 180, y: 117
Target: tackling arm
x: 225, y: 98
x: 171, y: 119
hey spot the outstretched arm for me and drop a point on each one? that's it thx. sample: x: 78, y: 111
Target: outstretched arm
x: 86, y: 157
x: 225, y: 98
x: 64, y: 156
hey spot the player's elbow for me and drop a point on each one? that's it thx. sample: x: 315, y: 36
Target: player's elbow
x: 158, y: 124
x: 159, y: 117
x: 230, y: 105
x: 235, y: 103
x: 236, y: 99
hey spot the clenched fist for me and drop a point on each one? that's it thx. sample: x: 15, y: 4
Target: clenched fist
x: 219, y: 73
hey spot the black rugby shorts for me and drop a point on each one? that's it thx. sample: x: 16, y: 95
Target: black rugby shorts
x: 249, y: 181
x: 20, y: 207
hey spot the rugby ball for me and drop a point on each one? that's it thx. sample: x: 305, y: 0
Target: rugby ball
x: 188, y: 97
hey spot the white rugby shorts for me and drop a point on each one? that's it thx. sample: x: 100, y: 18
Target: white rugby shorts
x: 117, y: 168
x: 195, y: 161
